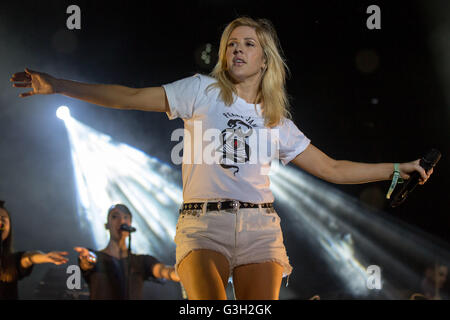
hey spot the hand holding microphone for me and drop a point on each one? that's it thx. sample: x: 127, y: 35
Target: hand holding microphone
x: 416, y: 172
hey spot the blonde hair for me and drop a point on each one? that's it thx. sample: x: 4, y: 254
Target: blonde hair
x: 272, y: 91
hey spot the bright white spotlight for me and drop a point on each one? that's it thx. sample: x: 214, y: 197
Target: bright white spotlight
x: 63, y: 113
x: 108, y: 172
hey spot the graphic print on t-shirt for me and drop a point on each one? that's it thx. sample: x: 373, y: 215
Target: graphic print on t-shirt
x: 234, y: 144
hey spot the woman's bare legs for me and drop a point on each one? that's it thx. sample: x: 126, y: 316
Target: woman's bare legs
x: 204, y: 275
x: 258, y: 281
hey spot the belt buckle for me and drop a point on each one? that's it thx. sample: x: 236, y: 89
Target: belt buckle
x: 235, y: 205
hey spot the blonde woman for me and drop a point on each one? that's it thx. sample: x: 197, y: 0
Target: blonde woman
x: 227, y: 224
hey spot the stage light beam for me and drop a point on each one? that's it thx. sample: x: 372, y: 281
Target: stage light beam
x: 351, y: 236
x: 108, y: 172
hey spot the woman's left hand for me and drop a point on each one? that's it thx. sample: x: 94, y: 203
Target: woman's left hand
x: 55, y: 257
x: 407, y: 168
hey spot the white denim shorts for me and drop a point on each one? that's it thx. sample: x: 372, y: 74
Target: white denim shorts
x: 243, y: 236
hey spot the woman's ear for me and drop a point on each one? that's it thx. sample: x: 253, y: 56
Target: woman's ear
x: 264, y: 65
x: 263, y: 68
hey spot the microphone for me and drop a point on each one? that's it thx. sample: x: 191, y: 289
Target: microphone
x: 427, y: 162
x: 2, y: 226
x: 125, y: 227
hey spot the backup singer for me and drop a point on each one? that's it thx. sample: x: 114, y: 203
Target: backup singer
x: 15, y: 266
x: 106, y: 271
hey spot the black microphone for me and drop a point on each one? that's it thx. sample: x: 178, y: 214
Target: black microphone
x: 2, y: 226
x: 125, y: 227
x: 427, y: 162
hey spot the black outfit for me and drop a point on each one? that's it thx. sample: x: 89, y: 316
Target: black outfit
x: 8, y: 290
x: 107, y: 280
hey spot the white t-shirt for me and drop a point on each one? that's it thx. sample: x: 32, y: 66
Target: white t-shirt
x: 227, y: 150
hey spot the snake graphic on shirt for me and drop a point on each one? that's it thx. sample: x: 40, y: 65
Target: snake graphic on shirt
x: 234, y: 143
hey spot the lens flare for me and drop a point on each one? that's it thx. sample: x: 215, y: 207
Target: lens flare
x: 63, y: 113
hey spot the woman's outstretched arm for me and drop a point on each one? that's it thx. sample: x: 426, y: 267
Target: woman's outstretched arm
x: 37, y: 257
x: 106, y: 95
x: 161, y: 271
x: 322, y: 166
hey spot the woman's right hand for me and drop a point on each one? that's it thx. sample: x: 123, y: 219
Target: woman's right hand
x: 41, y: 83
x: 86, y: 255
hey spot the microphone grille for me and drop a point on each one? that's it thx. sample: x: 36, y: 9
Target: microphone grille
x: 431, y: 158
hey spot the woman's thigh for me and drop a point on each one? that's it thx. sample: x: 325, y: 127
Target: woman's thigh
x: 257, y: 281
x: 204, y: 275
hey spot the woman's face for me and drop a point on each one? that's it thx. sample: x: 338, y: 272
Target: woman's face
x: 4, y: 224
x: 244, y: 54
x: 115, y: 219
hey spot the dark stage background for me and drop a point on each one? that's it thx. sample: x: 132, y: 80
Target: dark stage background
x: 358, y: 94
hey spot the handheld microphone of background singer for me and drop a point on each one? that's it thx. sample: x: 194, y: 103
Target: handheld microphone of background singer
x: 427, y: 162
x: 127, y: 228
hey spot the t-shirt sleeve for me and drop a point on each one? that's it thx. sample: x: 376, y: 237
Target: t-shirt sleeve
x: 149, y: 262
x: 182, y: 97
x: 292, y: 141
x: 21, y: 271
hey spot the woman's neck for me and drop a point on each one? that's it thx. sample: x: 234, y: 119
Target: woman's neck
x: 248, y: 89
x: 117, y: 249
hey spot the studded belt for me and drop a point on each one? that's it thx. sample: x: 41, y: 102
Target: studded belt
x: 223, y: 205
